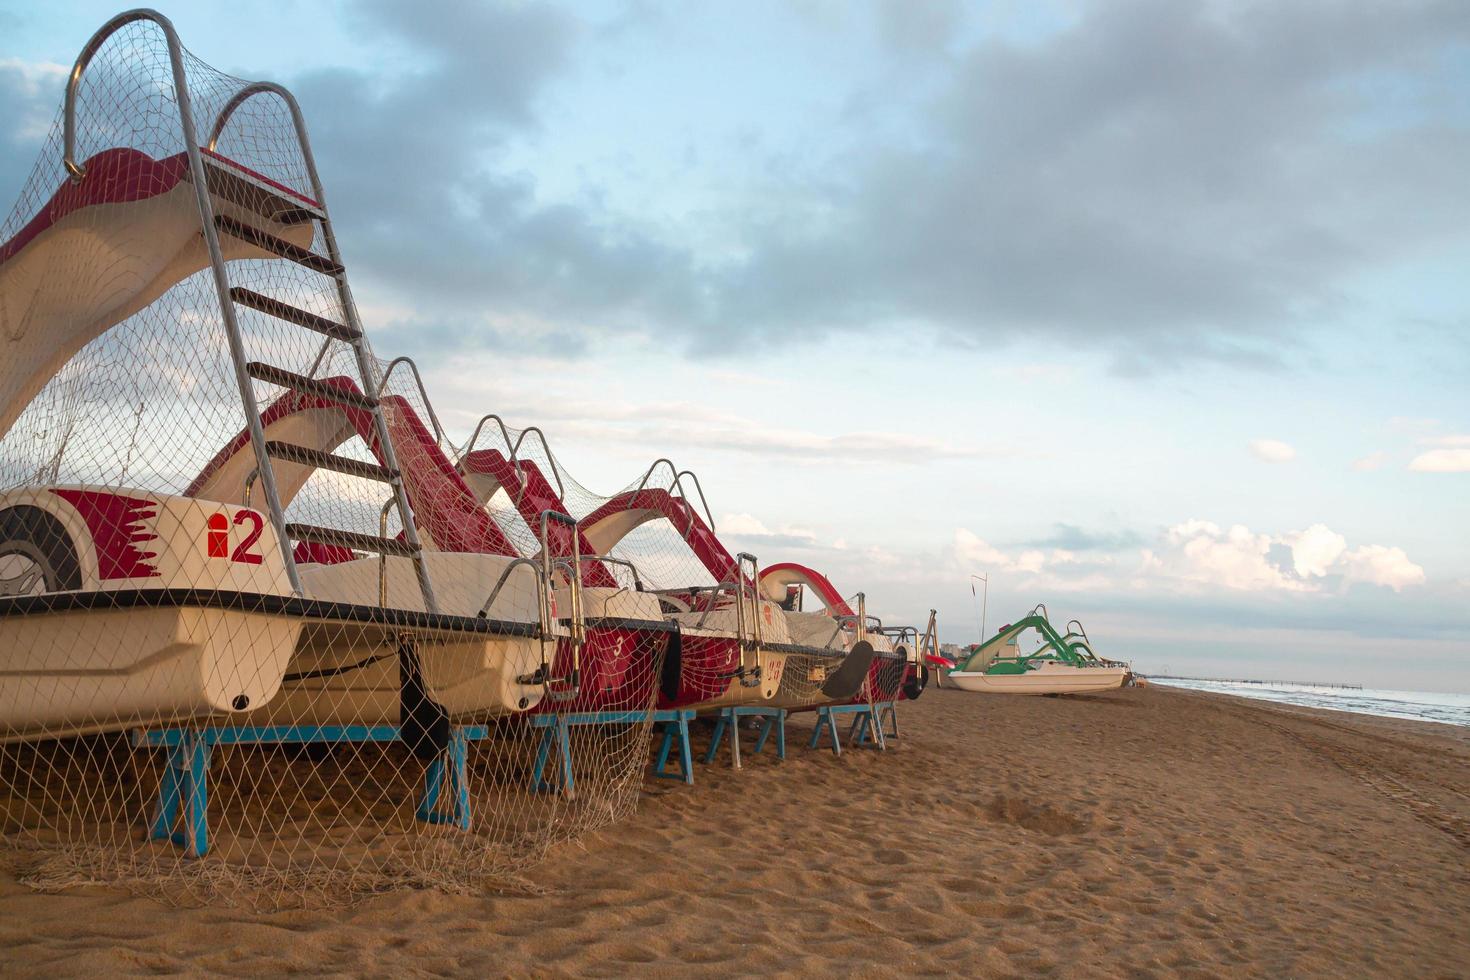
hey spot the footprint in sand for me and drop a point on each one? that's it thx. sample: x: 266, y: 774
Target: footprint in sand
x: 967, y: 886
x: 1040, y: 818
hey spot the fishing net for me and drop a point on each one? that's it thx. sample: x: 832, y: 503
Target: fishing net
x: 239, y: 677
x: 272, y: 636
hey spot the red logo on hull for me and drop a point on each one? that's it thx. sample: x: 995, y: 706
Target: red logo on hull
x: 117, y: 527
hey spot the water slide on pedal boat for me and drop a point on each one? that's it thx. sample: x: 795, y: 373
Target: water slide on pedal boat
x: 114, y: 605
x: 600, y: 658
x: 715, y: 671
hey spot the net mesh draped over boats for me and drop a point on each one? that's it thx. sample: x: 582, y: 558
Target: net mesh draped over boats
x: 215, y: 601
x: 143, y: 586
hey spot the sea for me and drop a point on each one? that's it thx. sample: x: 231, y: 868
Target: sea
x: 1451, y: 709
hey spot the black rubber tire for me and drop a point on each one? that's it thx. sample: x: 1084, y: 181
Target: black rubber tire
x: 916, y: 681
x: 41, y: 537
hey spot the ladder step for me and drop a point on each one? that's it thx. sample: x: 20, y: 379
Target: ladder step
x: 310, y: 386
x: 349, y: 539
x: 281, y: 247
x: 293, y: 314
x: 292, y: 453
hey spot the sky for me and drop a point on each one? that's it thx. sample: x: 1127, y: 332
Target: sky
x: 1154, y: 312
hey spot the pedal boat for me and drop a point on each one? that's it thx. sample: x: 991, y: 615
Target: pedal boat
x: 1060, y: 665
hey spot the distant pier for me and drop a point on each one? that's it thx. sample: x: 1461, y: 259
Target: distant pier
x: 1238, y: 680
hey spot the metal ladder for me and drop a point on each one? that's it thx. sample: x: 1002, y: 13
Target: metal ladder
x: 366, y: 399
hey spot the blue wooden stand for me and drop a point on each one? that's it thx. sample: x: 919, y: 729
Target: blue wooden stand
x: 881, y: 709
x: 729, y: 719
x: 867, y: 722
x: 455, y: 754
x: 888, y: 709
x: 676, y: 727
x: 183, y: 790
x: 556, y: 731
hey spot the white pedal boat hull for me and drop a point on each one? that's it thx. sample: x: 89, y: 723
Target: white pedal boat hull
x: 471, y: 676
x: 1049, y: 678
x: 145, y: 621
x: 101, y: 639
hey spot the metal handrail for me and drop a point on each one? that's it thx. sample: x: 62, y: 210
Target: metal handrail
x: 909, y: 632
x: 505, y: 435
x: 683, y: 495
x: 609, y: 560
x: 365, y: 367
x: 702, y: 501
x: 545, y: 612
x: 383, y: 557
x: 512, y: 449
x: 753, y: 678
x: 835, y: 634
x: 250, y: 479
x: 423, y: 394
x: 714, y: 591
x: 573, y: 569
x: 741, y: 560
x: 74, y: 80
x: 549, y: 517
x: 578, y: 636
x: 474, y: 436
x: 236, y: 100
x: 1041, y: 606
x: 560, y: 488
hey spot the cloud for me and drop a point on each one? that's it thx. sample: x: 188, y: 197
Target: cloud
x: 749, y: 528
x: 1315, y: 550
x: 485, y: 254
x: 742, y: 524
x: 1069, y: 537
x: 1452, y: 456
x: 1162, y: 182
x: 1442, y: 461
x: 29, y: 95
x: 1055, y: 568
x: 918, y: 30
x: 1372, y: 461
x: 752, y: 438
x: 1166, y: 181
x: 1202, y: 557
x: 1201, y: 553
x: 1272, y: 451
x: 1378, y: 565
x: 970, y: 549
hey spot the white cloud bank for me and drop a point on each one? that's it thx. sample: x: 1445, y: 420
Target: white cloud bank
x: 1451, y: 455
x: 1273, y: 451
x: 1199, y: 555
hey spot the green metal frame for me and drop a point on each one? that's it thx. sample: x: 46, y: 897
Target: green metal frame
x: 1070, y: 649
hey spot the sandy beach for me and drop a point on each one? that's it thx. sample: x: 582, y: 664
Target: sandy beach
x: 1141, y: 833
